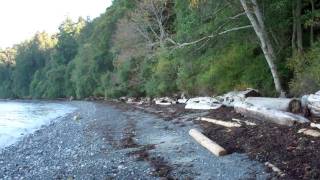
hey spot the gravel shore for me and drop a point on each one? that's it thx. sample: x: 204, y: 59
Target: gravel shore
x: 112, y: 143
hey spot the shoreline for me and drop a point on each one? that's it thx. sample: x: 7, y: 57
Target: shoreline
x: 267, y: 142
x: 23, y: 118
x: 111, y: 140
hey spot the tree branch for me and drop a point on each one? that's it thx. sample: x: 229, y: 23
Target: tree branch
x: 181, y: 45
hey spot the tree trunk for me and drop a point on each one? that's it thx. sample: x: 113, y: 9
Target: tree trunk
x: 311, y: 27
x: 294, y: 28
x: 299, y: 26
x: 257, y: 22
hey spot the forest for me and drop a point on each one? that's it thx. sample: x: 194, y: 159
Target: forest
x: 164, y: 47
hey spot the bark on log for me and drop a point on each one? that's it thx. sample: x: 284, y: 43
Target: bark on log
x: 282, y: 104
x: 213, y: 147
x: 219, y: 122
x: 272, y: 115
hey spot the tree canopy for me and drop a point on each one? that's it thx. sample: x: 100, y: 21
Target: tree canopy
x: 163, y: 47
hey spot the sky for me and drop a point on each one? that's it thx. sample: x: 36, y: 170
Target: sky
x: 21, y: 19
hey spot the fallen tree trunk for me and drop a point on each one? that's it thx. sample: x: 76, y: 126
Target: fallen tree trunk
x: 219, y: 122
x: 276, y: 116
x: 213, y: 147
x: 282, y: 104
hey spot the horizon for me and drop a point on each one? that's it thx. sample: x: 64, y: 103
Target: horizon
x: 23, y: 19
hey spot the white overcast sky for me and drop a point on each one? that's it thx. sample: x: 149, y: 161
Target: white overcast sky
x: 20, y: 19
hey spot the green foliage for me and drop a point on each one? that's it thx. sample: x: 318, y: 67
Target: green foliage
x: 306, y: 70
x: 236, y: 67
x: 114, y: 56
x: 164, y: 75
x: 31, y: 56
x: 6, y: 81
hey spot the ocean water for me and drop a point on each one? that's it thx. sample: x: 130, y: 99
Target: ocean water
x: 18, y: 119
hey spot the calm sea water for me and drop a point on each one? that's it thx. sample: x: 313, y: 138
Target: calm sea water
x: 18, y: 119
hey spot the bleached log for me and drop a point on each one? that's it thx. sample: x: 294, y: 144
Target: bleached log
x: 164, y: 101
x: 219, y: 122
x: 309, y: 132
x: 314, y: 125
x: 233, y: 97
x: 213, y: 147
x: 182, y: 101
x: 282, y: 104
x: 131, y: 100
x: 244, y: 121
x: 203, y: 103
x: 272, y: 115
x: 313, y: 104
x: 274, y: 169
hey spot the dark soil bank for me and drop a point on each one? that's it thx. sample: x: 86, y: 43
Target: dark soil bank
x: 295, y: 154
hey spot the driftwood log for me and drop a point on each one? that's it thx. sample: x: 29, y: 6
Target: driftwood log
x: 313, y: 104
x: 262, y: 113
x: 315, y: 125
x: 203, y: 103
x: 244, y: 122
x: 282, y: 104
x: 213, y: 147
x: 275, y: 169
x: 310, y: 132
x: 233, y: 97
x: 219, y: 122
x: 164, y: 101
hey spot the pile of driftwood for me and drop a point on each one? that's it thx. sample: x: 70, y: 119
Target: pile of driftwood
x: 203, y: 103
x: 284, y: 111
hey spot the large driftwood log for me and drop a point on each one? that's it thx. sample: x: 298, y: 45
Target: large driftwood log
x: 213, y: 147
x: 237, y: 96
x: 276, y: 116
x: 313, y: 104
x: 282, y: 104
